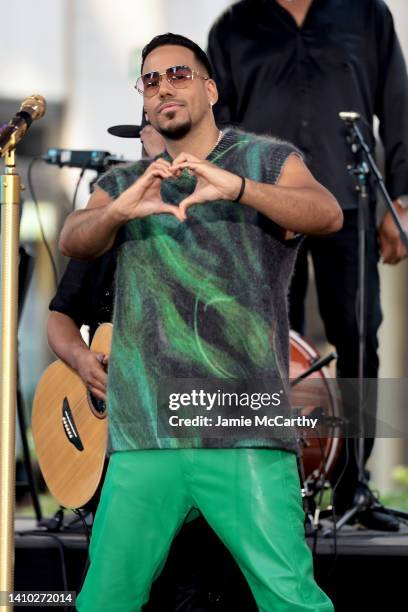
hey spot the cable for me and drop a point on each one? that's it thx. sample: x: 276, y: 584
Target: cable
x: 79, y: 513
x: 330, y: 572
x: 61, y: 551
x: 60, y: 546
x: 37, y: 208
x: 324, y: 458
x: 81, y: 175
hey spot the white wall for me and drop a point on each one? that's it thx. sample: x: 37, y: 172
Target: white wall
x: 32, y: 49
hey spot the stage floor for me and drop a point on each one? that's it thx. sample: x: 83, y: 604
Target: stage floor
x: 360, y: 569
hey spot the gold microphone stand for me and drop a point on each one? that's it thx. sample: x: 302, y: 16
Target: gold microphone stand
x: 32, y: 108
x: 10, y: 188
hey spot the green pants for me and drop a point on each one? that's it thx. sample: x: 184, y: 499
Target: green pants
x: 250, y: 498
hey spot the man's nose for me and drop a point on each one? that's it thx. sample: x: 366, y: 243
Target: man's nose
x: 165, y: 88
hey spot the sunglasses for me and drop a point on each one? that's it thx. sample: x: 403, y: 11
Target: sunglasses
x: 178, y: 76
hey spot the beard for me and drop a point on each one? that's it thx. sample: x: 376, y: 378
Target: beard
x: 175, y: 132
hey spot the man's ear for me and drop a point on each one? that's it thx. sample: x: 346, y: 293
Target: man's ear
x: 212, y: 92
x: 146, y: 117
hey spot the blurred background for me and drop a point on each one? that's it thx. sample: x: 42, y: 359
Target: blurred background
x: 83, y: 56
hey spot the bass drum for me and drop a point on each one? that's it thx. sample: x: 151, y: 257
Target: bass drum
x: 318, y: 394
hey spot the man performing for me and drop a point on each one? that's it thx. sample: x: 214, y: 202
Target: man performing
x: 202, y: 277
x: 288, y: 68
x: 85, y: 297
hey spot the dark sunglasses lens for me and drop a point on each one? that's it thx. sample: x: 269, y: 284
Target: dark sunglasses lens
x: 179, y: 76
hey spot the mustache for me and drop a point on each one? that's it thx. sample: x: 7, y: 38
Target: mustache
x: 162, y: 104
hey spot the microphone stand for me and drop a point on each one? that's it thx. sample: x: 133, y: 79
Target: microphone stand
x: 358, y: 144
x: 364, y: 165
x: 10, y: 189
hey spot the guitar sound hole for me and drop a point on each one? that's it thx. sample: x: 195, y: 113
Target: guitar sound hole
x: 98, y: 405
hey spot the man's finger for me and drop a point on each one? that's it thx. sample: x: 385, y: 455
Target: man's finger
x: 170, y: 209
x: 97, y: 382
x: 161, y: 173
x: 194, y: 166
x: 185, y: 157
x: 98, y: 394
x: 187, y: 202
x: 160, y: 162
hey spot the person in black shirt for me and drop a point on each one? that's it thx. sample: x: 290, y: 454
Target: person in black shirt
x: 84, y: 297
x: 288, y: 68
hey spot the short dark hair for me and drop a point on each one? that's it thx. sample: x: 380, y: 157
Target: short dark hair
x: 181, y: 41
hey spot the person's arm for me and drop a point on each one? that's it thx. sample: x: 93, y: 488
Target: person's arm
x: 297, y: 202
x: 89, y: 233
x: 75, y: 304
x: 392, y: 111
x: 65, y: 340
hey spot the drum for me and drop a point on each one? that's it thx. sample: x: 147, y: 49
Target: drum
x: 318, y: 394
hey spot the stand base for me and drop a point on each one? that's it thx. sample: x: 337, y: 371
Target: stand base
x: 371, y: 511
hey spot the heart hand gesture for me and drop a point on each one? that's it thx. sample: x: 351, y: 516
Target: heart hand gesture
x: 213, y: 183
x: 143, y: 198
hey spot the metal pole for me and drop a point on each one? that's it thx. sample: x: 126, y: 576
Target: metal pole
x: 10, y: 188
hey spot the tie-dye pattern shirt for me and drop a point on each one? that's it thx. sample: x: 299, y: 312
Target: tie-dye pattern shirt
x: 206, y: 298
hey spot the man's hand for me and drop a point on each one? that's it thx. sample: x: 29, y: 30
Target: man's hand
x: 392, y: 248
x: 152, y: 141
x: 92, y: 366
x: 213, y: 183
x: 143, y: 198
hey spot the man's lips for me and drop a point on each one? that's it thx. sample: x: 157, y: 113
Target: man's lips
x: 169, y: 106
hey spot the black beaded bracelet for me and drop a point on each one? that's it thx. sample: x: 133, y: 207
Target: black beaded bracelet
x: 241, y: 191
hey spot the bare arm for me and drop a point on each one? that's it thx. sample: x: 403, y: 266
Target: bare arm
x: 66, y: 341
x: 297, y: 202
x: 91, y: 232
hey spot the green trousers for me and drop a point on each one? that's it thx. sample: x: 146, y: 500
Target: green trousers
x: 251, y: 499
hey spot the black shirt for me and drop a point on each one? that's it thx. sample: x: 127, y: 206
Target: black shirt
x: 86, y: 291
x: 276, y: 78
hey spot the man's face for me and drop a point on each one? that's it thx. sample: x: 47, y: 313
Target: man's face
x: 173, y: 112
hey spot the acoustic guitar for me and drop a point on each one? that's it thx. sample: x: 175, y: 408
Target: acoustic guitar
x: 70, y: 430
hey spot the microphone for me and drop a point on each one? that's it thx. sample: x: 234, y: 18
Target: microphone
x: 31, y: 109
x: 349, y: 116
x: 100, y: 161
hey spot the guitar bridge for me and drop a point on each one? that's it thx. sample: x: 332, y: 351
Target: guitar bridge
x: 68, y: 424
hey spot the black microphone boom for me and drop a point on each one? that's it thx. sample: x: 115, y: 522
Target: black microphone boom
x: 100, y: 161
x: 32, y: 108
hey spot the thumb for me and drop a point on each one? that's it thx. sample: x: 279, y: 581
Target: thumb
x: 172, y: 210
x: 187, y: 202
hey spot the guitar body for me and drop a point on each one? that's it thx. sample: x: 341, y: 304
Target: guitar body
x: 70, y: 430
